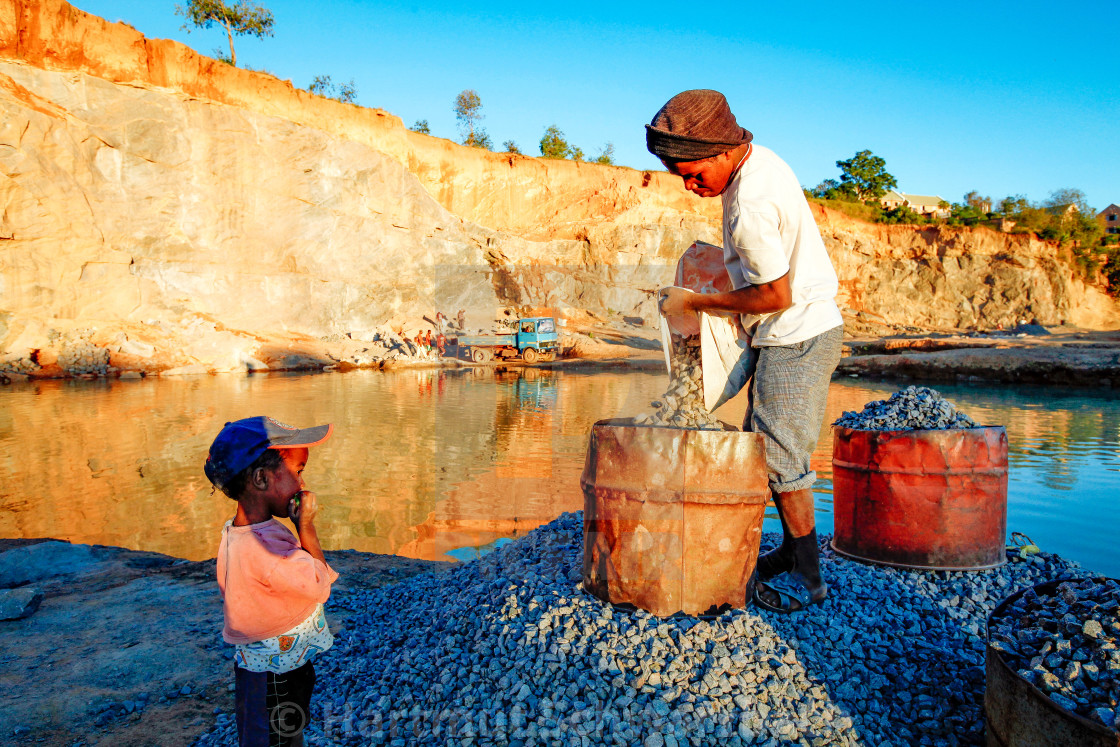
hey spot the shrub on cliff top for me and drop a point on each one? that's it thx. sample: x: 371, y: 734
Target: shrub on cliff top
x: 321, y: 85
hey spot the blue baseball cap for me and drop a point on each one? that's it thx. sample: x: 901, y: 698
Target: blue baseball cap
x: 241, y: 442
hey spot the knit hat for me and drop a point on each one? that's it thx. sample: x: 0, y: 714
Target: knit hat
x: 694, y: 125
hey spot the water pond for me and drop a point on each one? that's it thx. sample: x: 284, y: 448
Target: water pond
x: 441, y: 464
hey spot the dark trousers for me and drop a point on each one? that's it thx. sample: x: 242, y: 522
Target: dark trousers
x: 273, y: 709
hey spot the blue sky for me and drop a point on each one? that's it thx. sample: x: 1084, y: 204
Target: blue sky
x: 1007, y: 98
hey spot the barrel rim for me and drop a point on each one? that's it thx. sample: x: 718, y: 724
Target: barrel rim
x: 844, y: 428
x: 997, y: 655
x: 914, y: 567
x: 622, y: 422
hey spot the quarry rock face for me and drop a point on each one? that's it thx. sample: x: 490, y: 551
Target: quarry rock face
x: 178, y: 212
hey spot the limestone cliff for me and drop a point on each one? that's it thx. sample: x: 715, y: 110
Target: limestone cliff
x: 155, y: 201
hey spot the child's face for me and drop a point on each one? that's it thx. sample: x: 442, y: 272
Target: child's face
x: 286, y: 480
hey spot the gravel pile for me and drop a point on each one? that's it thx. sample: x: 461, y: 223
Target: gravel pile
x: 508, y: 650
x: 1065, y: 644
x: 682, y: 406
x: 912, y: 409
x: 84, y: 358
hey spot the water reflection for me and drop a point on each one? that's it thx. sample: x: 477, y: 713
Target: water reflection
x: 449, y: 463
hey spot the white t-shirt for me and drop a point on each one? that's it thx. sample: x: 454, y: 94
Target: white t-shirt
x: 768, y: 230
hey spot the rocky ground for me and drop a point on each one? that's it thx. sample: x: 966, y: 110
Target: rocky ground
x: 1029, y: 353
x: 204, y: 348
x: 125, y: 650
x: 125, y: 647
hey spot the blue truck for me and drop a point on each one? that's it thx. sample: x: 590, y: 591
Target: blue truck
x: 533, y: 338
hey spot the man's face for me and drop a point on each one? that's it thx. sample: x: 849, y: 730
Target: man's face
x: 707, y: 177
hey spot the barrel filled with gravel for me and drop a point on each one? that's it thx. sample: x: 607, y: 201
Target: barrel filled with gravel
x: 672, y: 516
x: 1053, y: 666
x: 918, y: 484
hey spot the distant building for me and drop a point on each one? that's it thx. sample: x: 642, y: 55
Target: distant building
x: 921, y: 204
x: 1110, y: 218
x: 892, y: 199
x: 1063, y: 211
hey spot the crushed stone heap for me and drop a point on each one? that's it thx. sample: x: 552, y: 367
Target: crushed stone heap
x: 509, y: 650
x: 912, y: 409
x: 1065, y: 644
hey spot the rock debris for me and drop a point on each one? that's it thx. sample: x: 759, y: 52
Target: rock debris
x: 682, y: 405
x: 914, y: 408
x: 1064, y: 642
x: 509, y: 650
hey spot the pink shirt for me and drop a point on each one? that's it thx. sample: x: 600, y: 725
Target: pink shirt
x: 269, y: 583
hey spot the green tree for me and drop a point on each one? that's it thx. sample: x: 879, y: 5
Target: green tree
x: 903, y: 214
x: 511, y: 147
x: 1012, y: 205
x: 978, y: 202
x: 347, y: 92
x: 241, y: 18
x: 830, y: 189
x: 321, y: 85
x: 553, y: 144
x: 421, y: 126
x: 966, y: 213
x: 606, y: 157
x: 468, y: 110
x: 867, y: 175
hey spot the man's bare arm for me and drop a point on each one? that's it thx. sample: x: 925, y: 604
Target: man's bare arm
x: 754, y: 299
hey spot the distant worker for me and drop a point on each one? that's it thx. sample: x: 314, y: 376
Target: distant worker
x: 441, y: 345
x: 440, y: 320
x: 461, y: 317
x: 784, y: 291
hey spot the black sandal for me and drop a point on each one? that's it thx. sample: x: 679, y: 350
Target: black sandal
x: 777, y: 599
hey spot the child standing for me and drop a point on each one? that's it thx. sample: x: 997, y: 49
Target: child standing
x: 273, y: 584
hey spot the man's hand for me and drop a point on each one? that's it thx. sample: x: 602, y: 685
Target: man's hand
x: 675, y: 301
x: 302, y: 509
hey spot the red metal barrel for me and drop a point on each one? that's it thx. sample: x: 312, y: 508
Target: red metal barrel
x: 1018, y: 714
x: 934, y: 499
x: 672, y: 518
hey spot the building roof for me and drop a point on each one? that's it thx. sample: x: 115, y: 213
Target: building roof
x: 925, y: 200
x: 1113, y: 208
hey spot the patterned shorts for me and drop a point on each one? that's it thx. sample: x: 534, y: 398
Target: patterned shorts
x: 787, y: 398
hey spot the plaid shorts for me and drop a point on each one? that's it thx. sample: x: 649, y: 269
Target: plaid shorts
x: 786, y: 403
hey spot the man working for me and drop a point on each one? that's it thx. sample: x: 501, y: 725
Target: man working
x: 784, y: 291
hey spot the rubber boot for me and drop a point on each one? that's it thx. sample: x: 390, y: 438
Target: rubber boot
x: 807, y: 566
x: 777, y: 561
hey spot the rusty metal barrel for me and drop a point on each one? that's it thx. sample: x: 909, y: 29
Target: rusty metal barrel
x: 1018, y: 714
x: 672, y: 518
x: 930, y: 499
